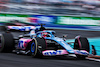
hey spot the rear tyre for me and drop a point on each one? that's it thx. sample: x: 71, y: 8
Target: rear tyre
x: 37, y: 46
x: 6, y: 42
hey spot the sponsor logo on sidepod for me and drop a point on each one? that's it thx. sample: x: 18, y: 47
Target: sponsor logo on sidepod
x: 52, y: 53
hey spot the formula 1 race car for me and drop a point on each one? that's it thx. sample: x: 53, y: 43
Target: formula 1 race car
x: 20, y: 28
x: 17, y: 26
x: 43, y: 43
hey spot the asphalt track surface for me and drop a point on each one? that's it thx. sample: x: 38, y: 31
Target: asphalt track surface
x: 14, y: 60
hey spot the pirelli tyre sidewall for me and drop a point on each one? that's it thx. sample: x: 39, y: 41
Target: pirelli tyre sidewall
x: 36, y: 43
x: 34, y: 47
x: 84, y: 44
x: 1, y: 42
x: 6, y: 42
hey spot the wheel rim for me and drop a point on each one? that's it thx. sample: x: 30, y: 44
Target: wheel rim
x: 33, y: 47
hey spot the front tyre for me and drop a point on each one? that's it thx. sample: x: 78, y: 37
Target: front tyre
x: 81, y: 43
x: 37, y: 46
x: 34, y: 48
x: 35, y: 52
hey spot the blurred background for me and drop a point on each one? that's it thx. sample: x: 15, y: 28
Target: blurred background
x: 59, y: 7
x: 60, y: 12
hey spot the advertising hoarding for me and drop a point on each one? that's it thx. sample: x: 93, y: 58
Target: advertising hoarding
x: 45, y: 19
x: 11, y: 17
x: 68, y: 20
x: 48, y: 19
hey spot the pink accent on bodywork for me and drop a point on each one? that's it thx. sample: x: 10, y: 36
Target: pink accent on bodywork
x: 25, y: 42
x: 32, y: 27
x: 9, y: 27
x: 79, y: 42
x: 63, y: 52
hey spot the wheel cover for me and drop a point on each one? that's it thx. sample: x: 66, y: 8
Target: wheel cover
x: 33, y: 47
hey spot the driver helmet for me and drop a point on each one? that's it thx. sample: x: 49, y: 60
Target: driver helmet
x: 44, y: 34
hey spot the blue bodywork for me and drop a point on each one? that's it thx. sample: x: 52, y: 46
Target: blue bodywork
x: 21, y: 28
x: 62, y: 43
x: 57, y: 39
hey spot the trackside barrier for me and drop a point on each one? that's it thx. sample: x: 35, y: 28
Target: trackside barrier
x: 59, y: 22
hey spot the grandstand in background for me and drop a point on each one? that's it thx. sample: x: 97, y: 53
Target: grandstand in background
x: 52, y: 7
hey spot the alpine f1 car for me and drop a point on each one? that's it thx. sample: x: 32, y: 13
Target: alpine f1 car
x: 43, y: 43
x: 17, y: 26
x: 20, y: 28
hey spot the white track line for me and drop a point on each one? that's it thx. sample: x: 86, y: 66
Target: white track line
x: 93, y: 59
